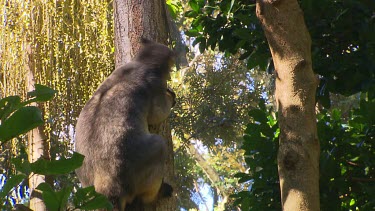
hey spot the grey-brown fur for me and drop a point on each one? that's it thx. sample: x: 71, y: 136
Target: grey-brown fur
x: 122, y: 159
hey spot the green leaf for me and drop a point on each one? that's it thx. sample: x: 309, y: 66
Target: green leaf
x: 10, y: 183
x: 192, y: 33
x: 211, y: 41
x: 41, y: 93
x: 194, y: 5
x: 258, y: 58
x: 227, y: 43
x: 49, y: 197
x: 57, y: 167
x: 252, y: 129
x: 82, y: 195
x: 22, y: 165
x: 173, y: 8
x: 100, y: 201
x: 8, y: 105
x: 246, y: 19
x: 21, y: 121
x: 55, y: 200
x: 191, y: 14
x: 336, y: 114
x: 243, y: 33
x: 231, y: 6
x: 63, y: 196
x: 258, y: 115
x: 88, y: 199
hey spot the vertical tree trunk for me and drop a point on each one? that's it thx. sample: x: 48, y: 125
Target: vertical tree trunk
x: 38, y: 145
x: 298, y: 156
x: 133, y: 20
x: 136, y: 19
x: 36, y: 142
x: 36, y: 139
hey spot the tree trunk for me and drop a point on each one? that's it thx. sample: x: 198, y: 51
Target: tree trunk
x: 298, y: 156
x: 36, y: 142
x: 136, y: 19
x: 133, y: 20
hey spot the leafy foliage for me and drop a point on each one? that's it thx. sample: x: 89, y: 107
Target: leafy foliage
x: 213, y: 101
x: 347, y: 168
x: 18, y: 118
x: 343, y: 48
x: 13, y: 112
x: 230, y: 25
x: 69, y: 47
x: 343, y: 39
x: 346, y: 163
x: 260, y: 145
x: 343, y: 44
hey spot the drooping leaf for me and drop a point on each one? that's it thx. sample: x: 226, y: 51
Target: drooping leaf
x: 194, y: 5
x: 50, y: 198
x: 55, y: 200
x: 63, y: 196
x: 41, y: 93
x: 8, y: 105
x: 21, y: 121
x: 57, y: 167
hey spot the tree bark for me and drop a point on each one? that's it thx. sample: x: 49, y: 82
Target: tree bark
x: 148, y: 19
x: 298, y: 156
x: 136, y: 19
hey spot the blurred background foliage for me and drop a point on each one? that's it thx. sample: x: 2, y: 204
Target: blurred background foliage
x: 69, y: 45
x: 65, y: 45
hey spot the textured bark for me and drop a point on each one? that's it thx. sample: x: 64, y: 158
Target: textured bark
x: 133, y: 20
x: 136, y: 19
x: 298, y: 156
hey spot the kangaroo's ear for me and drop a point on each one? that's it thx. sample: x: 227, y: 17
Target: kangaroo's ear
x: 145, y: 41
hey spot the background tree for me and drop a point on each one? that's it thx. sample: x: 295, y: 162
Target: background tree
x: 67, y: 45
x: 213, y: 102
